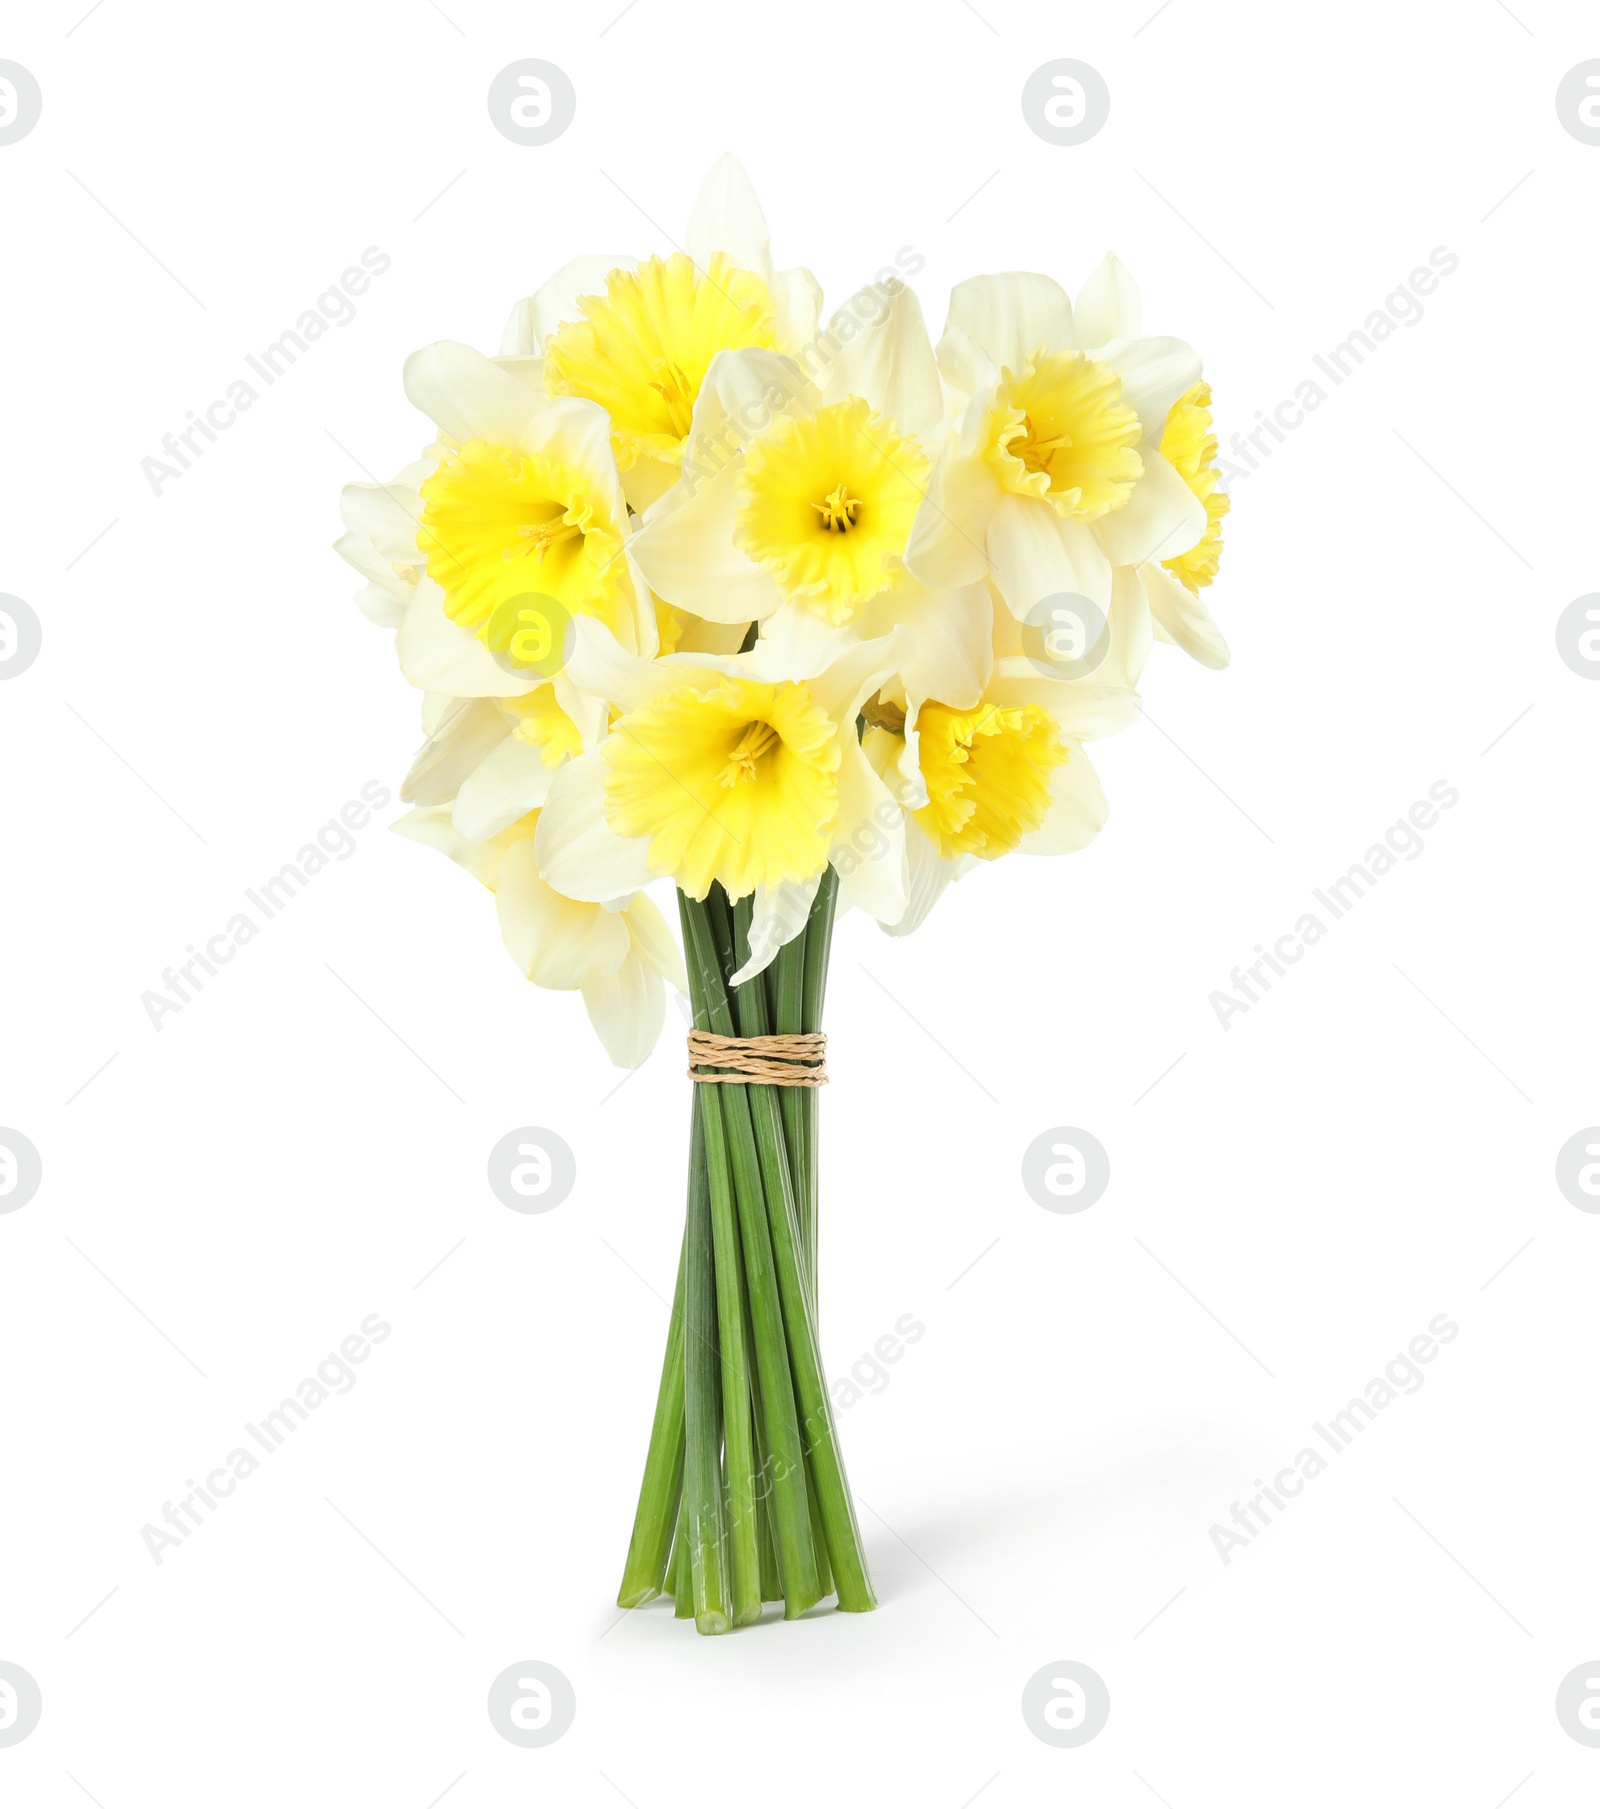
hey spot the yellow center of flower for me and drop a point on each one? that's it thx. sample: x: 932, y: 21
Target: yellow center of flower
x: 1061, y: 431
x: 826, y: 505
x: 988, y: 775
x: 1187, y: 440
x: 502, y: 528
x: 738, y: 784
x: 642, y: 349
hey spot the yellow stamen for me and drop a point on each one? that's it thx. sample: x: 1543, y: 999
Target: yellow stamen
x: 675, y: 389
x: 1036, y: 453
x: 839, y: 510
x: 754, y: 742
x: 542, y: 536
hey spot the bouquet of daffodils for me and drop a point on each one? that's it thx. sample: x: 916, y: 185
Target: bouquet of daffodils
x: 800, y: 617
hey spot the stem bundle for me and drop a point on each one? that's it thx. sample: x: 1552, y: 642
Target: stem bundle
x: 744, y: 1497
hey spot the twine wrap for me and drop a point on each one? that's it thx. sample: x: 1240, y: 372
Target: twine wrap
x: 797, y: 1060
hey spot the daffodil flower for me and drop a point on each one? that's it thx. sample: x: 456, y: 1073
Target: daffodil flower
x: 639, y: 338
x: 491, y: 759
x: 514, y: 525
x: 1172, y: 586
x: 742, y: 769
x: 801, y: 484
x: 618, y: 958
x: 1057, y: 474
x: 1008, y: 774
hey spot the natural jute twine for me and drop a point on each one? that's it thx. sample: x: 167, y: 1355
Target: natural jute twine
x: 797, y: 1060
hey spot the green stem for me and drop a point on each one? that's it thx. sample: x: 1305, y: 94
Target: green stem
x: 655, y: 1520
x: 732, y: 1318
x: 788, y: 1018
x: 682, y: 1589
x: 762, y: 1008
x: 702, y: 1395
x: 771, y: 1583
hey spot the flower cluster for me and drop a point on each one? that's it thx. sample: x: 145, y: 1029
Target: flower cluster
x: 699, y: 588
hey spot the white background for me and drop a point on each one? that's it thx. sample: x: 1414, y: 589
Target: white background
x: 303, y: 1143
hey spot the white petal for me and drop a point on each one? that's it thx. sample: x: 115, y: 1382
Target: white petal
x: 598, y: 666
x: 556, y: 941
x: 578, y: 432
x: 467, y: 395
x: 1012, y: 316
x: 381, y: 605
x: 840, y: 671
x: 686, y: 552
x: 579, y: 852
x: 1185, y: 618
x: 796, y: 308
x: 537, y: 316
x: 890, y: 362
x: 949, y: 536
x: 1130, y: 630
x: 627, y: 1010
x: 1108, y: 306
x: 1037, y: 555
x: 386, y: 515
x: 776, y: 918
x: 727, y: 217
x: 646, y: 481
x: 950, y: 655
x: 504, y: 787
x: 894, y: 759
x: 1077, y: 808
x: 796, y: 643
x: 526, y: 370
x: 869, y: 846
x: 431, y: 826
x: 588, y: 713
x: 655, y: 941
x: 1162, y: 518
x: 471, y: 729
x: 437, y: 654
x: 928, y: 873
x: 357, y: 550
x: 1155, y: 372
